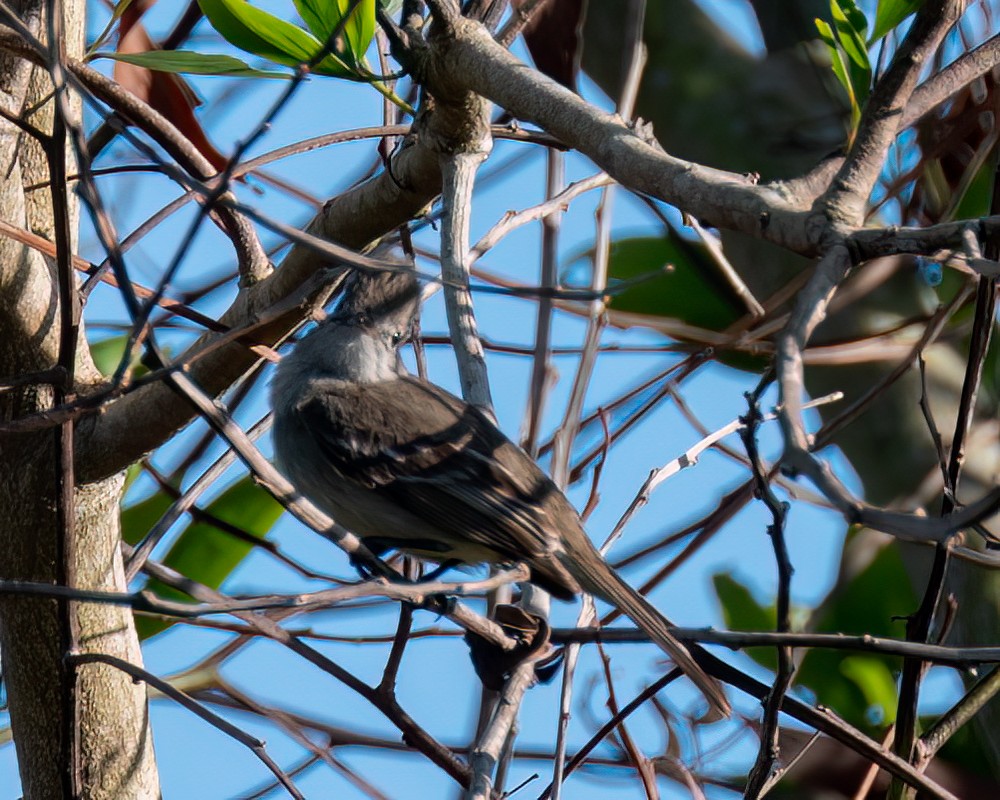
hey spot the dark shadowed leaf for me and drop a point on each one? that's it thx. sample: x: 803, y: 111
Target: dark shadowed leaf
x: 873, y: 603
x: 554, y: 41
x: 742, y: 612
x: 861, y: 687
x: 690, y: 289
x: 670, y: 280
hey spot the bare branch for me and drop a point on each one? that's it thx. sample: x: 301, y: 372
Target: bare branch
x: 961, y: 713
x: 488, y: 749
x: 764, y: 768
x: 253, y: 259
x: 473, y: 61
x: 458, y: 175
x: 942, y: 85
x: 883, y: 114
x: 257, y: 746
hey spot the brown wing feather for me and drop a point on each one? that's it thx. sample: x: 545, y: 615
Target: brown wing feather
x: 435, y: 457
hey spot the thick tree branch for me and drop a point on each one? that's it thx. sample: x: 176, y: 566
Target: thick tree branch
x: 468, y: 60
x: 958, y: 74
x: 472, y: 60
x: 881, y: 120
x: 146, y: 418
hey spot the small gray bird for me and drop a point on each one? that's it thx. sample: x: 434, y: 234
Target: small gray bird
x: 407, y: 466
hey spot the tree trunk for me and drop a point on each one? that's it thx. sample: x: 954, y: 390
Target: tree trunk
x: 115, y: 743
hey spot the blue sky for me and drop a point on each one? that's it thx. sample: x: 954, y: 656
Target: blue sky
x: 436, y: 682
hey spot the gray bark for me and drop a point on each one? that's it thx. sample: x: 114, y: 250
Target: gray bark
x: 116, y: 746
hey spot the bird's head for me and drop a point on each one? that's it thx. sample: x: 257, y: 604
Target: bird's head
x: 359, y: 342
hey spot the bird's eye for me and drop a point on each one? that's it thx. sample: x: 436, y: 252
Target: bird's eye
x: 362, y: 319
x: 398, y: 337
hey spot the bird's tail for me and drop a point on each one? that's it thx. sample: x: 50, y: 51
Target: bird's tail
x: 598, y: 578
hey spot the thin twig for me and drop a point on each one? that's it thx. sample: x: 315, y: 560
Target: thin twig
x: 257, y: 746
x: 70, y: 319
x: 942, y: 85
x: 555, y: 176
x: 616, y: 719
x: 562, y: 442
x: 957, y: 716
x: 689, y: 458
x: 919, y: 626
x: 642, y: 764
x: 810, y: 308
x: 769, y: 751
x: 736, y: 283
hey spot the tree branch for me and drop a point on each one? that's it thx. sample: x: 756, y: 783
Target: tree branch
x: 254, y: 264
x: 144, y: 419
x: 458, y: 171
x: 257, y: 746
x: 472, y: 60
x: 882, y: 118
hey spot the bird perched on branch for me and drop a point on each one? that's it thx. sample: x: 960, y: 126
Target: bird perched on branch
x: 408, y: 466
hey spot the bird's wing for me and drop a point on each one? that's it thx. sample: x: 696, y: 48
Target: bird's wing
x: 441, y: 460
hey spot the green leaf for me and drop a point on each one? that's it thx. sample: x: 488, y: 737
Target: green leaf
x: 255, y: 31
x: 108, y: 354
x: 207, y: 554
x: 873, y: 602
x: 689, y: 287
x: 324, y: 16
x: 890, y: 13
x: 840, y: 68
x: 191, y: 63
x: 361, y: 27
x: 691, y: 290
x: 139, y: 517
x: 742, y: 612
x: 876, y: 683
x: 851, y: 26
x: 847, y: 13
x: 825, y: 32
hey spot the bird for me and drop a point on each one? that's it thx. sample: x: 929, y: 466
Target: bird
x: 408, y: 466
